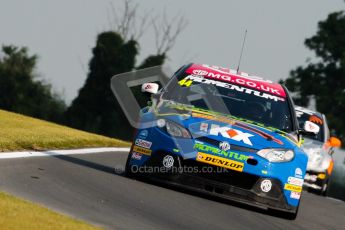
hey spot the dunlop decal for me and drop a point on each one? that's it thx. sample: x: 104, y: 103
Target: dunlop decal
x: 219, y: 161
x: 293, y: 188
x: 142, y: 150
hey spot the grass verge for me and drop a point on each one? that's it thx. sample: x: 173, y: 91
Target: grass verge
x: 18, y: 132
x: 17, y: 214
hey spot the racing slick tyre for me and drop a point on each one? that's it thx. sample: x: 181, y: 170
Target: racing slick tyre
x: 324, y: 189
x: 128, y: 170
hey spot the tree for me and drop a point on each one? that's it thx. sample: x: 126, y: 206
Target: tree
x: 324, y: 79
x: 128, y: 23
x: 95, y: 108
x: 21, y: 91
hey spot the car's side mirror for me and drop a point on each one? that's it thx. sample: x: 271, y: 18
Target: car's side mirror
x: 334, y: 142
x: 151, y: 88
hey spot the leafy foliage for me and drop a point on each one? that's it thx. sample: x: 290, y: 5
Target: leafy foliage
x: 96, y: 109
x: 21, y: 92
x: 324, y: 79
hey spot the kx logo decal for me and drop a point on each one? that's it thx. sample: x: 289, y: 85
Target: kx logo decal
x: 230, y: 133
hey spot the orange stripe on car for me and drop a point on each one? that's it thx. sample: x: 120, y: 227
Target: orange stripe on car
x: 330, y: 168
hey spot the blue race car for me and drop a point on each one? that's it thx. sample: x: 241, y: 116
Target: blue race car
x: 224, y: 133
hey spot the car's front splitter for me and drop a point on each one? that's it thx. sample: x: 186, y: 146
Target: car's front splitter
x: 228, y: 192
x: 237, y: 186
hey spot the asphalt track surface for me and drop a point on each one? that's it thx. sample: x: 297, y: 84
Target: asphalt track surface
x: 87, y: 187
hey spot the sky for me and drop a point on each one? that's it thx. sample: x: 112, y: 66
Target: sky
x: 62, y: 33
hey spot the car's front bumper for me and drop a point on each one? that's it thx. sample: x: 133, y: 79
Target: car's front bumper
x: 315, y: 180
x: 237, y: 186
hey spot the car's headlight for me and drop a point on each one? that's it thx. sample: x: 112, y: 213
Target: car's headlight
x: 325, y: 164
x: 276, y: 155
x: 173, y: 129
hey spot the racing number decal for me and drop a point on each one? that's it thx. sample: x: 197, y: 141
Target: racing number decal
x: 185, y: 82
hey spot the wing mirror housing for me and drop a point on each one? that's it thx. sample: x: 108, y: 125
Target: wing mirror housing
x: 334, y: 142
x: 151, y: 88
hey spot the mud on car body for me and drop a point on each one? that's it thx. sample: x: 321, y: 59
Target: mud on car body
x: 319, y: 149
x: 223, y: 133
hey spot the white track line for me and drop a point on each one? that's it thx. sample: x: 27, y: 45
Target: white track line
x: 24, y: 154
x: 335, y: 199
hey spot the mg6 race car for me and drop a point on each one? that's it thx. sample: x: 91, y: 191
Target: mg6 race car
x: 224, y: 133
x: 319, y: 149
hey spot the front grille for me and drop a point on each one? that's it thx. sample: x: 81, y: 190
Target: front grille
x: 221, y: 175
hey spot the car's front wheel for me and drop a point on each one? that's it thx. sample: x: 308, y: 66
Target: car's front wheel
x: 128, y: 169
x: 324, y: 189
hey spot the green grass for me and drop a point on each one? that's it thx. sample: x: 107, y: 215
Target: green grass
x: 19, y: 214
x: 18, y: 132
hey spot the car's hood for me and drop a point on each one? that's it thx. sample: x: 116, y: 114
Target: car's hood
x: 235, y: 131
x: 318, y: 158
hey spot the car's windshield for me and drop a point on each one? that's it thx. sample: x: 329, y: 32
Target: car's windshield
x: 238, y: 101
x: 304, y: 115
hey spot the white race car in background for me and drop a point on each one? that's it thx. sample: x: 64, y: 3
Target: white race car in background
x: 319, y: 149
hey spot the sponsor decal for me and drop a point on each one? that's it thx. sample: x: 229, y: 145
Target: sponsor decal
x: 221, y: 153
x: 231, y: 133
x: 238, y: 124
x: 143, y: 143
x: 293, y: 188
x: 193, y: 78
x: 224, y: 145
x: 219, y: 161
x: 143, y: 134
x: 233, y: 71
x: 298, y: 173
x: 295, y: 181
x: 136, y: 156
x: 264, y: 171
x: 142, y: 150
x: 266, y: 185
x: 204, y: 127
x: 168, y: 161
x: 295, y: 195
x: 231, y: 76
x: 311, y: 127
